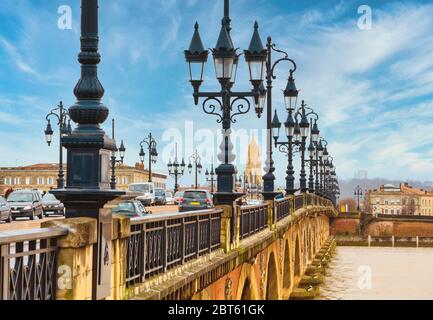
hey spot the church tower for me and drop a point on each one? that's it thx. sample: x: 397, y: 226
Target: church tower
x: 254, y: 165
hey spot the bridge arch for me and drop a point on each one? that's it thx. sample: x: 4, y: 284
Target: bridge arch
x: 247, y: 288
x: 297, y: 260
x: 310, y: 242
x: 287, y: 269
x: 272, y: 279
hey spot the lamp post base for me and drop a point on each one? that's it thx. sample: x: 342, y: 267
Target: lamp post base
x: 89, y: 203
x: 225, y: 178
x: 268, y: 182
x: 226, y: 198
x: 269, y: 195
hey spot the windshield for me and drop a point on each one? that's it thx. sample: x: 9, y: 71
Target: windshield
x: 168, y: 194
x: 49, y: 197
x: 178, y: 194
x: 159, y: 192
x: 139, y: 188
x: 20, y: 197
x: 195, y: 195
x: 125, y: 206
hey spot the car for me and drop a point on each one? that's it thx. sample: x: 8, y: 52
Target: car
x: 131, y: 209
x: 52, y: 206
x: 5, y: 211
x: 160, y: 197
x: 147, y: 191
x: 169, y: 199
x: 195, y: 199
x: 254, y: 202
x: 177, y: 197
x: 279, y: 196
x: 26, y: 203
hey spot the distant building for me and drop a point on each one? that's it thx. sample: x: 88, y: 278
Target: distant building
x: 253, y: 169
x: 44, y: 177
x: 402, y: 199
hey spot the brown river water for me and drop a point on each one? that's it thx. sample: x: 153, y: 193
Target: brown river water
x: 378, y: 273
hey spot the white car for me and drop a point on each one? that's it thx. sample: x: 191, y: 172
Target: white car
x: 169, y: 197
x: 253, y: 202
x: 147, y: 190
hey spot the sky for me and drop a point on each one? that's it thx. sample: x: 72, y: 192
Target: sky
x: 372, y: 87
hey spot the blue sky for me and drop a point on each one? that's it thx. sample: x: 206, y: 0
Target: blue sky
x: 372, y: 88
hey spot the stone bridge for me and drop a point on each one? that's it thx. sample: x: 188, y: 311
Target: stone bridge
x: 271, y: 251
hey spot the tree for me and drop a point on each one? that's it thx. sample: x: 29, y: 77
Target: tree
x: 367, y: 204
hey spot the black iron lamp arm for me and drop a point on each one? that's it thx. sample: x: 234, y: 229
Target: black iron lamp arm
x: 286, y: 58
x: 311, y: 113
x: 60, y: 116
x: 149, y: 144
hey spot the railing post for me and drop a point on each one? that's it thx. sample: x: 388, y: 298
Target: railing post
x: 77, y: 247
x: 198, y: 237
x: 4, y: 272
x: 210, y: 232
x: 144, y: 252
x: 229, y: 224
x: 182, y: 242
x: 271, y: 213
x: 164, y: 245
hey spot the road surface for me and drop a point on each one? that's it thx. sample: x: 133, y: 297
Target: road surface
x: 25, y: 224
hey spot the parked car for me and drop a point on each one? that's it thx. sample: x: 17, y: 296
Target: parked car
x: 169, y: 199
x: 178, y: 196
x: 146, y: 189
x: 254, y: 202
x: 26, y: 203
x: 160, y: 197
x: 279, y: 196
x: 52, y: 206
x: 195, y: 200
x: 131, y: 209
x: 5, y: 211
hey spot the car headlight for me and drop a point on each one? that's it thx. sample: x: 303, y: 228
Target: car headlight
x: 28, y: 208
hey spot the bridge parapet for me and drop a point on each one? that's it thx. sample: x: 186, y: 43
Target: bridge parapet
x: 148, y: 251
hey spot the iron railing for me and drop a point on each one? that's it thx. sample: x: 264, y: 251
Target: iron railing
x: 28, y: 264
x: 283, y: 207
x: 160, y: 242
x: 252, y: 219
x: 299, y: 202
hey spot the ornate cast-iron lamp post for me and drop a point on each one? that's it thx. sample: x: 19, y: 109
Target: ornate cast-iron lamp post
x: 122, y: 151
x: 196, y: 160
x: 153, y: 153
x: 290, y: 98
x: 210, y: 178
x: 176, y: 170
x: 62, y: 117
x: 320, y: 158
x: 358, y: 193
x: 223, y: 103
x: 89, y: 148
x: 296, y: 133
x: 312, y: 151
